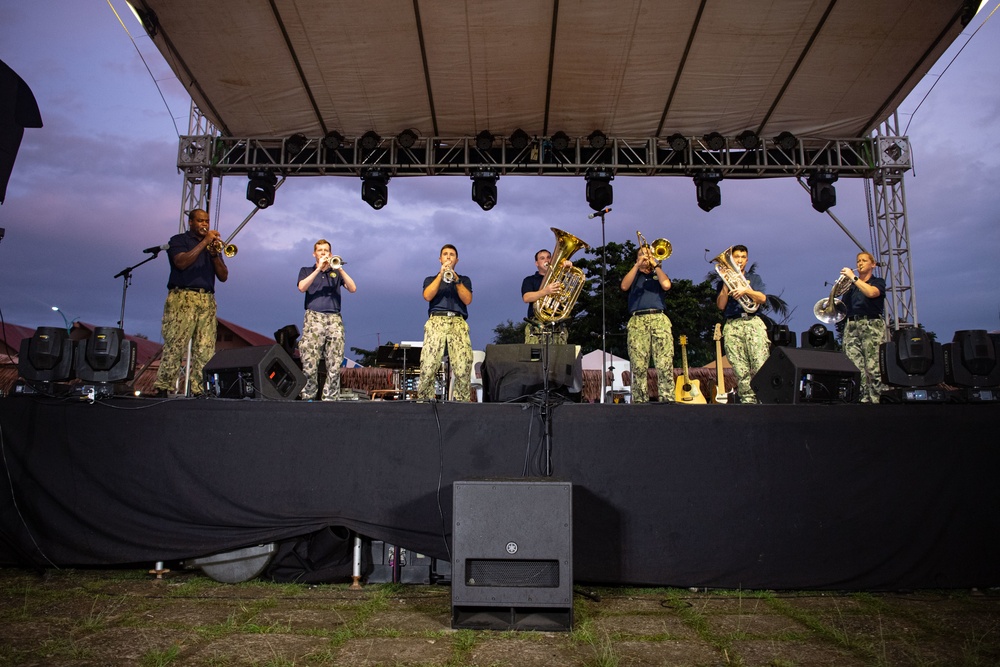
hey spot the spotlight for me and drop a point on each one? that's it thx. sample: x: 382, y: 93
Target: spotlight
x: 597, y: 139
x: 406, y: 138
x: 821, y: 190
x: 560, y: 141
x: 707, y: 189
x: 47, y: 356
x: 786, y: 141
x: 748, y: 139
x: 294, y: 145
x: 370, y: 141
x: 484, y: 140
x: 333, y: 140
x: 600, y: 194
x: 260, y: 189
x: 911, y: 364
x: 970, y: 360
x: 519, y: 140
x: 375, y: 187
x: 286, y: 337
x: 818, y: 337
x: 714, y: 141
x: 107, y: 356
x: 678, y: 142
x: 780, y: 336
x: 484, y: 188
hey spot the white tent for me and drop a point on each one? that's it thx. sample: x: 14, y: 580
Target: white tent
x: 592, y: 361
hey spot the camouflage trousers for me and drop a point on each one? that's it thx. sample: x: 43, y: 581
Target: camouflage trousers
x: 187, y: 316
x: 862, y: 339
x: 747, y: 348
x: 322, y: 337
x: 651, y: 336
x: 533, y: 334
x: 451, y: 333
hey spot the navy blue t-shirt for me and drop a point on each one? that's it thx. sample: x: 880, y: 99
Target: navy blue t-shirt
x: 733, y: 307
x: 323, y: 294
x: 532, y: 283
x: 447, y: 296
x: 858, y: 304
x: 645, y: 293
x: 201, y: 273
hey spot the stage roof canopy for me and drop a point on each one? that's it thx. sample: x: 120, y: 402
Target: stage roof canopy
x: 641, y: 68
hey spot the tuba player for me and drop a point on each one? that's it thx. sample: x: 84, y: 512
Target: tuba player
x: 532, y: 291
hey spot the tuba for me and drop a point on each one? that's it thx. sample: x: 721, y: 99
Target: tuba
x: 734, y: 278
x: 557, y: 307
x: 831, y: 310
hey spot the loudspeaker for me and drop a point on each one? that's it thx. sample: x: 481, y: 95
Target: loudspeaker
x: 514, y: 372
x: 513, y: 555
x: 264, y: 371
x: 792, y: 375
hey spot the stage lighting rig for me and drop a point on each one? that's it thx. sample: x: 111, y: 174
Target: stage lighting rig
x: 260, y: 189
x: 971, y: 364
x: 748, y: 139
x: 678, y: 142
x: 519, y: 140
x: 369, y: 141
x: 484, y: 188
x: 786, y: 141
x: 106, y: 357
x: 484, y: 140
x: 375, y: 187
x: 707, y: 189
x: 821, y: 190
x: 597, y: 139
x: 45, y: 357
x: 560, y: 141
x: 407, y: 138
x: 600, y: 194
x: 294, y: 145
x: 911, y: 366
x: 818, y: 337
x: 714, y: 141
x: 333, y: 140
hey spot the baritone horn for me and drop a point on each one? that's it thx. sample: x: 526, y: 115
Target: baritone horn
x: 558, y: 306
x: 659, y: 251
x: 734, y: 279
x: 831, y: 309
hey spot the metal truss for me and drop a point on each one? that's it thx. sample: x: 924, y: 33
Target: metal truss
x: 194, y: 161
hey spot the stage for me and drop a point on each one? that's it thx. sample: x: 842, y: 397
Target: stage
x: 781, y: 496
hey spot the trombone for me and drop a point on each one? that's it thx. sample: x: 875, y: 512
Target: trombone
x: 659, y: 251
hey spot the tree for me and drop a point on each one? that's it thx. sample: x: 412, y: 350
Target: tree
x: 508, y: 332
x: 366, y: 357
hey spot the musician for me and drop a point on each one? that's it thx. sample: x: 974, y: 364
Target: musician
x: 745, y: 335
x: 865, y: 329
x: 649, y: 329
x: 448, y: 296
x: 532, y: 291
x: 196, y: 261
x: 323, y: 328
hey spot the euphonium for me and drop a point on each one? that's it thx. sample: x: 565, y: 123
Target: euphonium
x: 734, y: 279
x: 831, y: 310
x: 557, y: 307
x: 659, y: 251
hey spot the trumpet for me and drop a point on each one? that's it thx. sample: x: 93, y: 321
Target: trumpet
x: 227, y: 249
x: 335, y: 262
x: 659, y: 251
x: 831, y: 310
x: 448, y: 275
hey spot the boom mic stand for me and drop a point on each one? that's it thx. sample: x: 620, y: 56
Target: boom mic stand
x: 126, y: 275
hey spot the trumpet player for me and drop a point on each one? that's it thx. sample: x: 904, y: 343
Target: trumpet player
x: 650, y: 333
x: 323, y: 328
x: 196, y: 262
x: 747, y: 344
x: 865, y: 328
x: 532, y: 291
x: 448, y: 296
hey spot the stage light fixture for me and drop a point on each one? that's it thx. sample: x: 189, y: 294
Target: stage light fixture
x: 911, y: 365
x: 47, y: 356
x: 597, y: 139
x: 260, y: 189
x: 519, y: 140
x: 106, y: 357
x: 484, y: 140
x: 714, y: 141
x: 970, y: 360
x: 678, y: 142
x: 786, y: 141
x: 748, y: 139
x: 370, y: 141
x: 818, y: 337
x: 781, y: 337
x: 821, y: 190
x: 600, y: 194
x: 707, y: 189
x: 484, y: 188
x: 295, y: 144
x: 375, y: 187
x: 560, y: 141
x: 407, y: 138
x: 286, y: 337
x: 333, y: 140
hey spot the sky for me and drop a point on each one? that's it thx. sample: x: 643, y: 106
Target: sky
x: 98, y: 183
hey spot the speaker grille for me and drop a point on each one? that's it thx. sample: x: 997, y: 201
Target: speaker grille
x: 512, y: 573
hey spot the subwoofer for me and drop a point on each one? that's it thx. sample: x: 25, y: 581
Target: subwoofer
x: 263, y: 371
x: 513, y: 555
x: 792, y: 375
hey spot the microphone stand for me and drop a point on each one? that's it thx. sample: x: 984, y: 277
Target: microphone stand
x: 126, y: 274
x: 548, y: 329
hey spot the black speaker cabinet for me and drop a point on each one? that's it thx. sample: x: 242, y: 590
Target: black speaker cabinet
x: 515, y: 372
x: 264, y: 371
x: 792, y: 375
x: 513, y: 555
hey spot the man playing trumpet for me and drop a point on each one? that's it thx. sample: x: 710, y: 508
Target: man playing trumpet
x: 448, y: 296
x: 323, y: 328
x: 650, y: 333
x: 865, y: 329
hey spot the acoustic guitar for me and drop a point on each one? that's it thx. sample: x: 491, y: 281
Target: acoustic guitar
x: 687, y: 391
x: 720, y: 384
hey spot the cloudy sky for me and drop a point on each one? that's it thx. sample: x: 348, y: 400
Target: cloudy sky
x: 99, y: 183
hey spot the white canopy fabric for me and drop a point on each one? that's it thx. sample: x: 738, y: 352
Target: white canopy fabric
x: 592, y: 361
x: 639, y: 68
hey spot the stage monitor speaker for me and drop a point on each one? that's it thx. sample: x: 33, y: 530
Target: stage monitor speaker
x: 514, y: 372
x: 264, y: 371
x: 513, y: 555
x: 793, y: 375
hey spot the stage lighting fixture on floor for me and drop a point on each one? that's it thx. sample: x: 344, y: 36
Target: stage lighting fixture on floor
x: 600, y: 194
x: 970, y: 363
x: 375, y: 187
x: 707, y: 189
x: 714, y: 141
x: 597, y: 139
x: 484, y: 140
x: 560, y: 141
x: 333, y: 140
x: 781, y: 336
x: 786, y: 141
x: 912, y: 366
x: 818, y: 337
x: 47, y: 356
x: 286, y: 337
x: 821, y: 190
x: 678, y: 142
x: 106, y: 357
x: 407, y: 138
x: 748, y: 139
x: 484, y: 188
x: 519, y: 139
x: 260, y: 189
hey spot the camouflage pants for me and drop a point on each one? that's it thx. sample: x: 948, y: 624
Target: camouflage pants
x: 451, y: 333
x: 862, y: 339
x: 187, y: 316
x: 747, y: 348
x: 533, y: 334
x: 322, y: 336
x: 651, y: 336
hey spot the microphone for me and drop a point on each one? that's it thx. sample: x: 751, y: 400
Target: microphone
x: 156, y: 248
x: 601, y: 212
